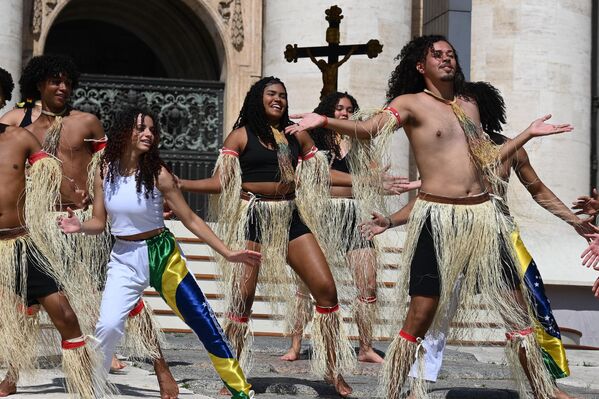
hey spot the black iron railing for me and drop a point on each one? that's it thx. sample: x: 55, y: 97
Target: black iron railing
x: 190, y: 114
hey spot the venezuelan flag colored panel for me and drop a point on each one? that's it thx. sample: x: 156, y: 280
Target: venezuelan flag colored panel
x: 547, y: 331
x: 177, y: 286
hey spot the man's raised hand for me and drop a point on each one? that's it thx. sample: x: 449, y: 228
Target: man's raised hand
x: 539, y: 127
x: 307, y: 121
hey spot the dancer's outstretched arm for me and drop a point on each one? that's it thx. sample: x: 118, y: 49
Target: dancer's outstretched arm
x: 234, y: 142
x: 360, y: 129
x: 95, y: 225
x: 172, y: 195
x: 546, y: 198
x: 538, y: 128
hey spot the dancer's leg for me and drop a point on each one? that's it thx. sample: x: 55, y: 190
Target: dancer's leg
x: 123, y: 289
x: 306, y: 258
x: 172, y: 279
x: 363, y: 264
x: 302, y: 312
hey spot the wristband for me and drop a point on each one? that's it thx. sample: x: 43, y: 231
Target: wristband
x: 390, y: 222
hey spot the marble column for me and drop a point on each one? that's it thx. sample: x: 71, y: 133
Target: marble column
x: 538, y: 54
x: 11, y: 20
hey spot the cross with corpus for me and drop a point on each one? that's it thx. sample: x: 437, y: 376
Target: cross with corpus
x: 329, y: 69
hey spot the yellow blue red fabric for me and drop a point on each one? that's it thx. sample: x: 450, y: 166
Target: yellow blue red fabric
x: 546, y: 329
x: 177, y: 286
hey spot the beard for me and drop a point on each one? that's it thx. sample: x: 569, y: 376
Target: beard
x: 448, y: 78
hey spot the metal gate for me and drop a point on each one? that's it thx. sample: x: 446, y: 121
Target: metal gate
x: 190, y: 114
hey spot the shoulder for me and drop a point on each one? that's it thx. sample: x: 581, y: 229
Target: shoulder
x: 21, y: 136
x: 13, y: 117
x: 84, y: 117
x: 407, y: 99
x: 237, y: 139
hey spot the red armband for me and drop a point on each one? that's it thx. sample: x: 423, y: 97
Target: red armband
x: 394, y: 113
x: 98, y: 146
x: 309, y: 154
x: 33, y: 158
x: 228, y: 151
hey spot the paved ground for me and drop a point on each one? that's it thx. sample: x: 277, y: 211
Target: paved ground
x: 468, y: 373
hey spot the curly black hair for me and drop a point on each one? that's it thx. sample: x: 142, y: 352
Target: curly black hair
x: 43, y: 67
x: 150, y: 163
x: 253, y: 114
x: 323, y: 137
x: 405, y: 79
x: 6, y: 83
x: 491, y: 108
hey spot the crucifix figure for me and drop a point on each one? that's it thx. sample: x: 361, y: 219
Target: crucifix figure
x: 329, y: 68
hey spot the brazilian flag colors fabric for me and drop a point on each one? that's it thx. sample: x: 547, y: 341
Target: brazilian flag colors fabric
x: 177, y: 286
x: 546, y: 329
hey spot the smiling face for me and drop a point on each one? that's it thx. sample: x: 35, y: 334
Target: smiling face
x: 274, y: 100
x: 439, y: 63
x: 344, y: 108
x: 56, y: 91
x: 143, y: 135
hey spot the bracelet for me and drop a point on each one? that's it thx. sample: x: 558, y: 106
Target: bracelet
x: 326, y: 121
x: 390, y: 222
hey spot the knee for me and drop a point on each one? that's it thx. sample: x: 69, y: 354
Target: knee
x: 325, y: 293
x: 109, y: 326
x: 67, y: 323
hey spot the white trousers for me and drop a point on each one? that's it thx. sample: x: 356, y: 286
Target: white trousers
x: 128, y: 275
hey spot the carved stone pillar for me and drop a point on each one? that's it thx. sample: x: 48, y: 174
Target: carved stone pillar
x: 11, y: 20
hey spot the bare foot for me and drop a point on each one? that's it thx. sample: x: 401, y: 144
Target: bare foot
x: 369, y: 356
x: 7, y: 387
x: 224, y: 391
x: 168, y: 386
x: 291, y: 355
x: 116, y: 365
x: 559, y: 394
x: 342, y: 388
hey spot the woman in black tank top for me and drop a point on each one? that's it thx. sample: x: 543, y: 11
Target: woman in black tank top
x: 258, y: 158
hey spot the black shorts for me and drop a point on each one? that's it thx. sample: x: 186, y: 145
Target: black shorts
x: 39, y: 283
x: 424, y: 270
x: 297, y: 228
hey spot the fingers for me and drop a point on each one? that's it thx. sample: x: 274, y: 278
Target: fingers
x: 293, y: 129
x: 298, y: 116
x: 545, y: 118
x: 595, y: 288
x: 70, y: 212
x: 595, y: 194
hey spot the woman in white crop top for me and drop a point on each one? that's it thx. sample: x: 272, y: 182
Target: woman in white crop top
x: 130, y: 187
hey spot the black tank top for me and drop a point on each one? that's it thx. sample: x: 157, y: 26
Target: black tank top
x: 340, y: 164
x: 27, y: 118
x: 259, y: 164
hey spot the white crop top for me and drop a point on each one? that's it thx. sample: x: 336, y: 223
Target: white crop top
x: 131, y: 212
